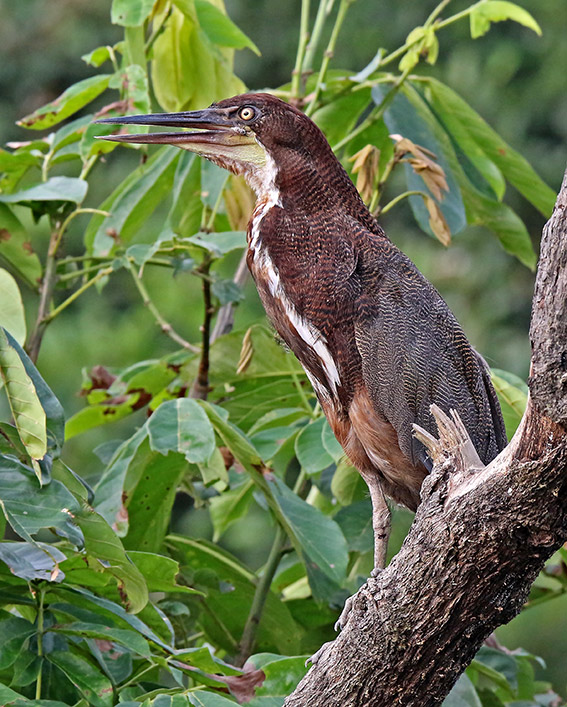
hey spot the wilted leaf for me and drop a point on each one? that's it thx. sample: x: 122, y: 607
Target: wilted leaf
x: 437, y: 221
x: 70, y: 101
x: 366, y: 163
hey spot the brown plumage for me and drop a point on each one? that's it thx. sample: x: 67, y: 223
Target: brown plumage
x: 376, y: 339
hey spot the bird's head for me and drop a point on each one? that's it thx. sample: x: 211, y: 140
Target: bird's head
x: 254, y: 134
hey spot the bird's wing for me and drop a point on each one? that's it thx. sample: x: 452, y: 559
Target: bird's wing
x: 414, y: 353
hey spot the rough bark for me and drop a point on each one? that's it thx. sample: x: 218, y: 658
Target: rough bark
x: 478, y: 541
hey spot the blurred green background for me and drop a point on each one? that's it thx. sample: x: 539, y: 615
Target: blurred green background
x: 514, y: 79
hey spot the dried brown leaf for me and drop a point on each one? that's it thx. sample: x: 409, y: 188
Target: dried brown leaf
x: 437, y: 222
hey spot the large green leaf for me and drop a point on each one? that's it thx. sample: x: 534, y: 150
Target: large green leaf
x: 27, y: 411
x: 70, y: 101
x: 95, y: 687
x: 149, y: 496
x: 16, y: 249
x: 230, y: 506
x: 132, y: 202
x: 310, y: 450
x: 181, y: 54
x: 282, y: 674
x: 29, y: 507
x: 15, y: 632
x: 316, y: 537
x: 458, y: 116
x: 220, y: 29
x: 182, y: 426
x: 160, y: 572
x: 129, y: 639
x: 12, y: 315
x: 103, y: 545
x: 54, y: 415
x: 219, y: 243
x: 54, y: 189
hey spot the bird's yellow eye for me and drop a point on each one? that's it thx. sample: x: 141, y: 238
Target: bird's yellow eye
x: 246, y: 113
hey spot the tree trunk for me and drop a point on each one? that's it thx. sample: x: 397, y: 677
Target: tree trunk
x: 478, y: 541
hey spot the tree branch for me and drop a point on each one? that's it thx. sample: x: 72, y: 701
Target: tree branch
x: 478, y: 541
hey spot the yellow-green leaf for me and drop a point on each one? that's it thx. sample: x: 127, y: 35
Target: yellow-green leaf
x: 12, y: 315
x: 483, y: 14
x: 27, y: 411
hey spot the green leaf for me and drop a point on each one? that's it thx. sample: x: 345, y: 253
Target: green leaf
x: 54, y: 416
x: 484, y: 13
x: 108, y: 491
x: 98, y: 56
x: 133, y: 79
x: 220, y: 29
x: 54, y: 189
x: 183, y: 53
x: 181, y: 425
x: 513, y: 396
x: 32, y: 561
x: 463, y: 694
x: 8, y: 696
x: 12, y: 315
x: 160, y: 572
x: 201, y: 698
x: 101, y: 414
x: 29, y: 507
x: 310, y: 450
x: 27, y: 411
x: 14, y: 632
x: 132, y: 202
x: 230, y: 506
x: 184, y: 217
x: 102, y: 543
x: 16, y: 249
x: 282, y: 675
x: 355, y: 521
x: 316, y: 536
x: 347, y: 484
x: 219, y: 244
x: 129, y: 639
x: 70, y: 101
x: 150, y: 492
x: 515, y: 168
x: 130, y: 13
x: 95, y: 687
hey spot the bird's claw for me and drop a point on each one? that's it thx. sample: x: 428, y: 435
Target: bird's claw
x: 345, y: 613
x: 314, y: 659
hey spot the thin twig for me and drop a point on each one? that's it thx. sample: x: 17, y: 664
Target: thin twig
x: 225, y: 317
x: 164, y: 325
x: 296, y: 87
x: 312, y: 46
x: 328, y: 55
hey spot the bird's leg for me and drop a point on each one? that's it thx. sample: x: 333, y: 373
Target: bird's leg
x: 381, y: 522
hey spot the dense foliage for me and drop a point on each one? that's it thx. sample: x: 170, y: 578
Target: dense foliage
x: 101, y: 603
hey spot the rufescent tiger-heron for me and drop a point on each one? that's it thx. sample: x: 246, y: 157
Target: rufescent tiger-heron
x: 375, y: 338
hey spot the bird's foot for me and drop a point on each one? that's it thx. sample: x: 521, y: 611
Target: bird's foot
x: 314, y: 659
x: 345, y: 613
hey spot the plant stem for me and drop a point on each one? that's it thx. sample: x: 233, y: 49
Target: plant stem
x: 87, y: 285
x: 40, y: 596
x: 260, y: 595
x: 322, y: 13
x: 436, y: 12
x: 296, y: 87
x: 165, y: 326
x: 328, y: 55
x: 200, y: 387
x: 46, y: 293
x: 404, y: 195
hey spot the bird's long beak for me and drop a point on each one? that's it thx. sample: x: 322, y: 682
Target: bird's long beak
x: 219, y: 137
